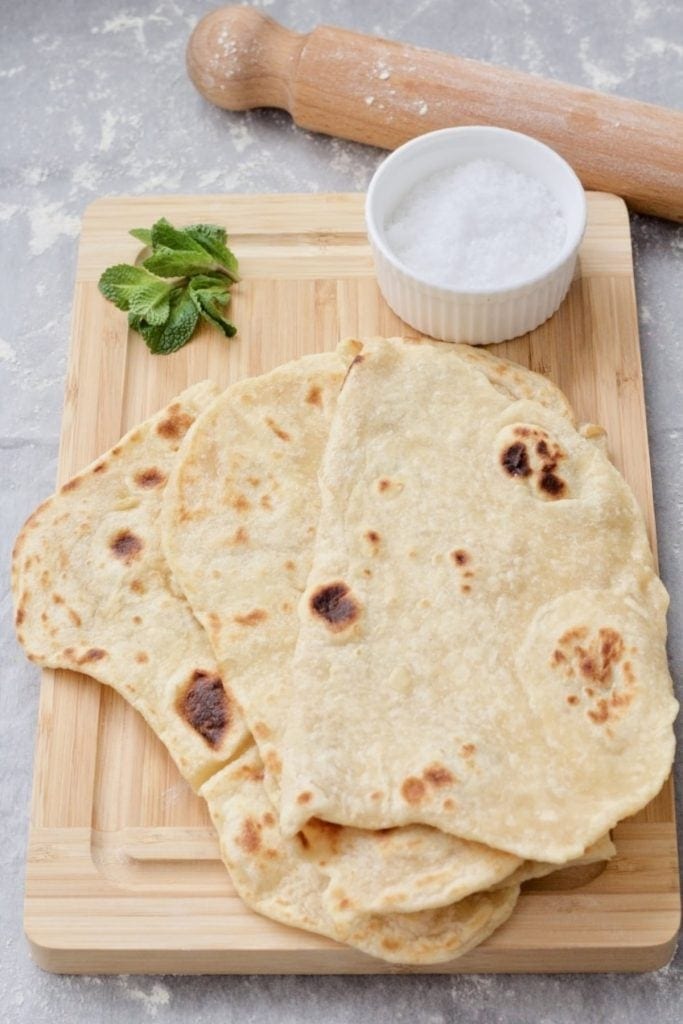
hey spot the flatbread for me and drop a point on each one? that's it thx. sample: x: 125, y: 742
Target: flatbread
x: 482, y: 638
x: 93, y: 594
x: 272, y: 877
x: 238, y: 523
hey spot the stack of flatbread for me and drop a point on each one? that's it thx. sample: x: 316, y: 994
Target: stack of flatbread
x: 395, y: 618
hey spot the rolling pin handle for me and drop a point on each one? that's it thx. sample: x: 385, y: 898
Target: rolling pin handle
x: 239, y: 59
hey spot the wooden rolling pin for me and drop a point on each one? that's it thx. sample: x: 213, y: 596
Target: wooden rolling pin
x: 383, y: 93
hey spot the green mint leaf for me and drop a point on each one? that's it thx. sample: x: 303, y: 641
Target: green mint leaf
x: 150, y: 333
x: 166, y: 312
x: 120, y: 282
x: 143, y: 235
x: 208, y: 302
x: 164, y: 235
x: 151, y: 301
x: 207, y: 232
x: 216, y: 284
x: 213, y: 241
x: 176, y: 331
x: 179, y: 263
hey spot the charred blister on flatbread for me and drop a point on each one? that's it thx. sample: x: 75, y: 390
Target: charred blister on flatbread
x: 528, y: 453
x: 205, y: 706
x: 598, y: 672
x: 335, y: 605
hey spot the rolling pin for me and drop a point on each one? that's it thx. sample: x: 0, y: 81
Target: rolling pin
x: 383, y: 93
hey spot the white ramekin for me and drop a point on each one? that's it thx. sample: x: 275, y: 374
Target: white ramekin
x: 483, y: 315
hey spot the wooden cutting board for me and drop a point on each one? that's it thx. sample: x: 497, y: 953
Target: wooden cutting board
x: 123, y: 868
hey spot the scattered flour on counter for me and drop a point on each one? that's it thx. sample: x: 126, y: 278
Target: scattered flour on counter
x: 7, y: 353
x: 477, y: 225
x: 125, y: 22
x: 108, y: 133
x: 7, y: 210
x: 48, y: 222
x: 597, y: 76
x: 241, y: 136
x: 663, y: 46
x: 11, y: 72
x: 158, y: 995
x: 34, y: 175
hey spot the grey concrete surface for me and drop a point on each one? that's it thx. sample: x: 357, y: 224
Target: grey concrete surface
x: 94, y: 99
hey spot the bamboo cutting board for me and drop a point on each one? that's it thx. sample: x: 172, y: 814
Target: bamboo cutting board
x: 123, y: 868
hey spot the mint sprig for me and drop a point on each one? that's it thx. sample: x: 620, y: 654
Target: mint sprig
x: 186, y: 277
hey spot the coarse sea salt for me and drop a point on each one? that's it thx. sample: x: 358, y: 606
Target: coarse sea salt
x: 477, y: 225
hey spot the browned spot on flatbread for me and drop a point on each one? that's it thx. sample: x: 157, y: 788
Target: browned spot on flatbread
x: 262, y: 731
x: 100, y: 467
x: 460, y: 556
x: 92, y: 654
x: 305, y: 797
x: 289, y: 565
x: 252, y: 774
x: 251, y: 618
x: 239, y: 537
x: 268, y: 818
x: 239, y: 502
x: 391, y: 945
x: 314, y: 396
x: 344, y: 903
x: 57, y: 599
x: 278, y: 431
x: 515, y: 460
x: 149, y: 478
x: 72, y: 484
x: 336, y: 605
x: 204, y: 705
x: 413, y: 789
x: 138, y: 587
x: 141, y: 658
x: 20, y: 616
x: 75, y: 617
x: 303, y: 840
x: 598, y: 663
x: 600, y: 713
x: 266, y: 503
x: 254, y: 480
x: 249, y: 838
x: 465, y: 588
x: 373, y: 539
x: 438, y: 775
x: 577, y: 633
x: 467, y: 750
x: 552, y: 484
x: 137, y: 621
x: 176, y: 424
x: 448, y: 804
x: 273, y: 763
x: 126, y: 546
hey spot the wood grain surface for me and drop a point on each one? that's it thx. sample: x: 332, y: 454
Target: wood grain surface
x: 123, y: 871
